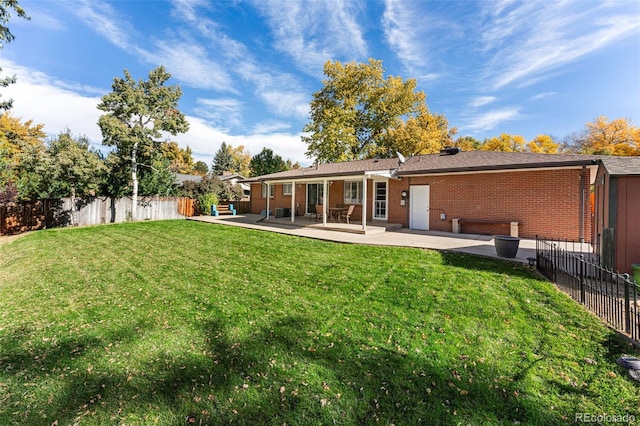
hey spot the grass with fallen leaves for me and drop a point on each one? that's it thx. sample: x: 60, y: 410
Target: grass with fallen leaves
x: 181, y: 322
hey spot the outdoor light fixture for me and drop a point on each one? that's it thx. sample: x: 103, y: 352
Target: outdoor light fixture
x: 404, y: 194
x: 532, y: 261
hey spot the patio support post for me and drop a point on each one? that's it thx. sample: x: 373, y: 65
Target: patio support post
x: 364, y: 203
x: 268, y: 193
x: 325, y: 198
x: 293, y: 201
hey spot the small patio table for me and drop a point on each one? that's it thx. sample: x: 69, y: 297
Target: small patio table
x: 334, y: 212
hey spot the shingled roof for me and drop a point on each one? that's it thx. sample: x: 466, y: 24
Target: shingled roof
x: 463, y: 161
x: 621, y: 166
x: 472, y: 161
x: 346, y: 168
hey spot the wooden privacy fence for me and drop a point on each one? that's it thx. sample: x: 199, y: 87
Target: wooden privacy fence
x: 21, y: 217
x: 16, y: 218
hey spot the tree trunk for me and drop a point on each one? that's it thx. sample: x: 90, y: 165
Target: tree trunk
x: 73, y: 206
x: 134, y: 179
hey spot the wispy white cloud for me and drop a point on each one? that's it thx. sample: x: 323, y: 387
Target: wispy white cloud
x: 543, y: 95
x: 280, y: 91
x: 420, y: 36
x: 103, y: 18
x: 205, y: 139
x: 46, y: 100
x: 482, y: 100
x: 223, y: 113
x: 526, y: 41
x: 271, y: 127
x: 40, y: 17
x: 312, y: 33
x: 190, y: 63
x: 490, y: 119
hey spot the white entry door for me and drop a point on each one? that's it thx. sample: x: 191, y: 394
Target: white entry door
x: 419, y: 205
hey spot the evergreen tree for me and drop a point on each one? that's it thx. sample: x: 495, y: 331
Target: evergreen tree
x: 222, y: 161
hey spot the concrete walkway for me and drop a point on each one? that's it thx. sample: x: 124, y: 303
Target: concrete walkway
x: 481, y: 245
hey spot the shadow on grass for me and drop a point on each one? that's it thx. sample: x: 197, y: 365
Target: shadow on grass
x: 326, y: 379
x: 281, y: 373
x: 487, y: 264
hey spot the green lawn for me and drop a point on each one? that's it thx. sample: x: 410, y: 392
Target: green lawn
x: 147, y: 323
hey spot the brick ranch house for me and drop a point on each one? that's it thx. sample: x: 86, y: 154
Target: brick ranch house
x: 483, y: 192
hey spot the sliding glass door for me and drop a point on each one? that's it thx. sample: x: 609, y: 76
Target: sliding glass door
x: 314, y: 195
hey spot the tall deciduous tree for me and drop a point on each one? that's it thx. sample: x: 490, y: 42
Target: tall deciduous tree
x: 18, y: 139
x: 357, y: 105
x: 601, y: 136
x: 543, y: 144
x: 266, y: 163
x: 241, y: 160
x: 6, y: 36
x: 75, y: 169
x: 180, y: 159
x: 137, y: 116
x: 505, y: 142
x: 424, y: 133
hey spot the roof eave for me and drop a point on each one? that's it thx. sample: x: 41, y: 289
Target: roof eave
x: 490, y: 168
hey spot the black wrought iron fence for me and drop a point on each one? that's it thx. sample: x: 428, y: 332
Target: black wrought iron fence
x: 613, y: 297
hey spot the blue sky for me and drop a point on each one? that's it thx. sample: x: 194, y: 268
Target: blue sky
x: 248, y: 69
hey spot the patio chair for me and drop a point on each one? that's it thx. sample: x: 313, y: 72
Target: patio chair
x: 347, y: 215
x: 319, y: 213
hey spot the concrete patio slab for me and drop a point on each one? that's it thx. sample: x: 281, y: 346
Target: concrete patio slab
x: 481, y: 245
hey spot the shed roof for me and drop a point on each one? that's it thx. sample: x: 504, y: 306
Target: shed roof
x: 621, y: 166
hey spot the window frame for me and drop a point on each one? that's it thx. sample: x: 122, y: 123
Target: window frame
x: 348, y: 190
x: 271, y: 190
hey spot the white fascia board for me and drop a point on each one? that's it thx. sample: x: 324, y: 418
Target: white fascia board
x: 312, y: 179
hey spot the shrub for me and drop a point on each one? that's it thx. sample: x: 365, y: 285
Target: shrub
x: 206, y: 201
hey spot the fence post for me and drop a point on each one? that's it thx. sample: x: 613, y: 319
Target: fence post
x: 554, y: 263
x: 582, y: 290
x: 627, y: 304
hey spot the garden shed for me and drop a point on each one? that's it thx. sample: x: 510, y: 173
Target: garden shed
x: 617, y: 212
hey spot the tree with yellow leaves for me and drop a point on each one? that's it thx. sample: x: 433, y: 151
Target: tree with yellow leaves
x: 14, y: 134
x: 424, y: 133
x: 543, y: 144
x: 505, y: 143
x: 604, y: 137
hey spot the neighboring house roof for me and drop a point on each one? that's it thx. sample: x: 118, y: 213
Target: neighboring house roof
x: 464, y: 161
x: 224, y: 177
x: 182, y: 178
x: 621, y: 166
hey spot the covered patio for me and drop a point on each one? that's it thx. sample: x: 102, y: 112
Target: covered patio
x: 364, y: 196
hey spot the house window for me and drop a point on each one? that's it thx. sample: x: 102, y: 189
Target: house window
x: 286, y: 189
x: 264, y: 191
x: 353, y: 192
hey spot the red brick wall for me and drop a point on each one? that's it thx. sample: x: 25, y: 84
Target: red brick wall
x: 545, y: 203
x: 259, y: 203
